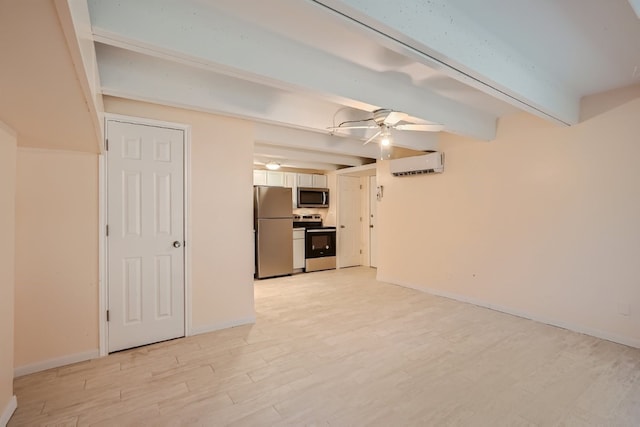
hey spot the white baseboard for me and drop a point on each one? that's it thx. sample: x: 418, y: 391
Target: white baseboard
x: 55, y: 363
x: 8, y: 411
x: 631, y: 342
x: 212, y: 328
x: 93, y: 354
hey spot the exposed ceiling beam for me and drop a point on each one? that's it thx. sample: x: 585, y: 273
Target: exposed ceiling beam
x: 130, y: 74
x: 296, y: 164
x: 224, y: 43
x: 126, y: 71
x: 279, y: 153
x: 299, y: 139
x: 442, y: 36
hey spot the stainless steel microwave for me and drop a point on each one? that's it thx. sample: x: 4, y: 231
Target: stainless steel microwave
x: 313, y: 197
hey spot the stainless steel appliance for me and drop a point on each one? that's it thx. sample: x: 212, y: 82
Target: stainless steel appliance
x: 320, y: 242
x: 273, y: 222
x: 313, y: 197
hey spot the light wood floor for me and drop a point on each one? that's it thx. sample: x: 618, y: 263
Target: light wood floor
x: 338, y: 348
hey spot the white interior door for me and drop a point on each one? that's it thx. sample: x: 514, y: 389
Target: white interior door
x: 145, y: 242
x: 373, y: 237
x: 348, y: 221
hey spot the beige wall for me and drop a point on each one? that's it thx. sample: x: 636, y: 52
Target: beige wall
x: 56, y: 304
x: 7, y: 252
x: 221, y: 211
x: 42, y: 97
x: 543, y: 222
x: 593, y: 105
x: 56, y: 258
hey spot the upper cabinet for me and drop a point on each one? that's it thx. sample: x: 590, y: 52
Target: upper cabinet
x: 305, y: 180
x: 270, y: 178
x: 259, y: 177
x: 289, y: 179
x: 275, y: 178
x: 319, y: 181
x: 312, y: 180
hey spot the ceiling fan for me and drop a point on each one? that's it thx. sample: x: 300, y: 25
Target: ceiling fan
x: 385, y: 120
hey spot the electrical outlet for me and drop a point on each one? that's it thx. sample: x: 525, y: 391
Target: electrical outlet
x: 623, y: 308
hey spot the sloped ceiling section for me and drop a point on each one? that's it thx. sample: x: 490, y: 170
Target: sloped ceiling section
x: 44, y: 96
x: 307, y: 65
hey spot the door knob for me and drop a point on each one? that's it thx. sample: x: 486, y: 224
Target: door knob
x: 371, y: 226
x: 177, y: 244
x: 342, y: 226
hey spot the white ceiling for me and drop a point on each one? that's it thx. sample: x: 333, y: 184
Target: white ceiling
x: 298, y: 67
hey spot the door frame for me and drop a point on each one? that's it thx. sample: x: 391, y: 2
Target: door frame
x: 339, y: 255
x: 371, y: 202
x: 363, y: 173
x: 103, y: 290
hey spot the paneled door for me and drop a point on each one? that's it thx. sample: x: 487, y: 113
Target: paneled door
x: 348, y: 221
x: 145, y: 240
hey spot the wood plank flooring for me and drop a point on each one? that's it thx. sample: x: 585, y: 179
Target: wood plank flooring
x: 339, y: 348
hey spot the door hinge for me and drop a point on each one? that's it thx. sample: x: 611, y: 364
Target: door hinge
x: 361, y: 186
x: 106, y: 144
x: 107, y: 230
x: 360, y: 251
x: 107, y: 315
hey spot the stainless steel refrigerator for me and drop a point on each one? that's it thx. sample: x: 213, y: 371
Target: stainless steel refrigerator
x: 273, y: 222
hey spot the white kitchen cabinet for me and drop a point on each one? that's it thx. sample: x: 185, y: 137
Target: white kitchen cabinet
x: 312, y: 180
x: 319, y: 181
x: 298, y: 248
x: 275, y: 178
x: 305, y: 180
x: 259, y: 177
x: 291, y: 181
x: 270, y: 178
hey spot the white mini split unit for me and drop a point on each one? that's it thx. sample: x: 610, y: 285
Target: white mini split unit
x: 417, y: 165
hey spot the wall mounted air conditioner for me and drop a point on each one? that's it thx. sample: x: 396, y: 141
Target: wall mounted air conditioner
x: 417, y: 165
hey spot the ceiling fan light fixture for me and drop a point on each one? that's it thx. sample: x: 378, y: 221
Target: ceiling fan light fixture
x: 385, y: 136
x: 273, y: 166
x: 385, y: 152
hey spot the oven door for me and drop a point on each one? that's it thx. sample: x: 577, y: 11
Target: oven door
x: 320, y: 242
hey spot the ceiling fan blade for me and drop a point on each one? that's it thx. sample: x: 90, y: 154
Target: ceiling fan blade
x: 352, y: 127
x: 422, y: 128
x: 372, y: 138
x: 394, y: 117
